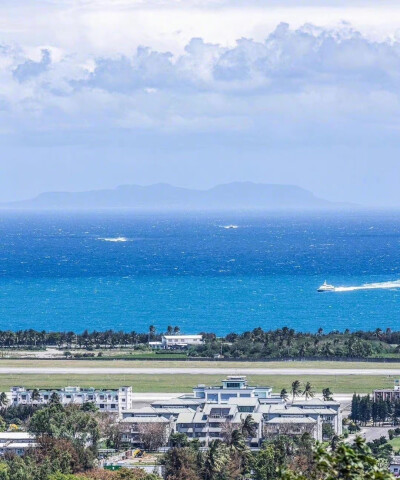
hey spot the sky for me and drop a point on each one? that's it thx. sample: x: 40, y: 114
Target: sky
x: 99, y: 93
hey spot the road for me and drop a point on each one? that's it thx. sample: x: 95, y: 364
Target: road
x: 196, y: 371
x: 372, y: 433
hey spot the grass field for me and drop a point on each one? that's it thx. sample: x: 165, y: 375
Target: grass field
x: 395, y: 443
x: 33, y: 362
x: 185, y: 382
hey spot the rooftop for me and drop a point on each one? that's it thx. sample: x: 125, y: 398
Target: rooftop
x: 155, y: 411
x: 169, y: 337
x: 16, y: 436
x: 291, y: 420
x: 240, y: 401
x: 145, y: 420
x: 19, y: 444
x: 179, y: 401
x: 315, y: 401
x: 69, y: 389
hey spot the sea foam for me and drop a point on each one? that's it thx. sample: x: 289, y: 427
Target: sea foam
x: 114, y: 239
x: 370, y: 286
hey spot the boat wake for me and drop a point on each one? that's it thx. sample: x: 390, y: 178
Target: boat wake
x: 370, y: 286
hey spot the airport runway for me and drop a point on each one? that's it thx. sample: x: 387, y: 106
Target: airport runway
x: 197, y: 371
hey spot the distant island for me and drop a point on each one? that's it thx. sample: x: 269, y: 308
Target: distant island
x: 231, y: 196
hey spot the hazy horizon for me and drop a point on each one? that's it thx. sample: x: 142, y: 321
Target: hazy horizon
x: 286, y: 93
x: 163, y: 196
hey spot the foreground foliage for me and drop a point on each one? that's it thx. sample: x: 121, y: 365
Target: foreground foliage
x: 280, y: 458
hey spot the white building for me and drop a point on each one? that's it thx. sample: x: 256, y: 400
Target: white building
x: 180, y: 341
x: 329, y: 411
x: 179, y: 403
x: 232, y: 387
x: 289, y: 420
x: 215, y: 422
x: 394, y: 466
x: 16, y: 442
x: 177, y: 342
x: 111, y: 401
x: 135, y: 429
x: 146, y: 412
x: 390, y: 394
x: 213, y: 412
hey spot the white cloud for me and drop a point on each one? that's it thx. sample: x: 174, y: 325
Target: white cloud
x: 293, y: 81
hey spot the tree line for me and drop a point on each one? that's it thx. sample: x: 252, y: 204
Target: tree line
x: 287, y: 343
x: 96, y: 339
x: 256, y: 344
x: 365, y: 410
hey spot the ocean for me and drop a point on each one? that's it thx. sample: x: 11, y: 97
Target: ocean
x: 203, y: 272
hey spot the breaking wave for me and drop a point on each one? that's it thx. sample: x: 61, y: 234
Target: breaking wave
x: 370, y: 286
x: 115, y: 239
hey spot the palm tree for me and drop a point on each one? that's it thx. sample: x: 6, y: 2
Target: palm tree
x: 169, y: 330
x: 3, y: 399
x: 249, y: 426
x: 308, y: 391
x: 327, y: 394
x: 35, y: 396
x: 54, y: 399
x: 152, y: 332
x: 284, y: 394
x: 215, y: 460
x: 295, y: 389
x: 237, y: 441
x: 378, y: 333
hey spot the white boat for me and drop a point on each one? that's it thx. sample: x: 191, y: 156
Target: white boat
x: 326, y: 288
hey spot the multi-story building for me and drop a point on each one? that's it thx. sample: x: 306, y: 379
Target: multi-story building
x: 216, y: 421
x: 328, y: 410
x: 111, y: 401
x: 16, y: 442
x: 234, y: 386
x: 391, y: 394
x: 290, y: 420
x: 143, y: 429
x: 214, y: 412
x: 293, y: 426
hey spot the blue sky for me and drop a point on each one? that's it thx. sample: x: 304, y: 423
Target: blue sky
x: 94, y: 94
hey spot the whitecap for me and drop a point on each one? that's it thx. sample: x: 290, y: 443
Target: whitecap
x: 114, y: 239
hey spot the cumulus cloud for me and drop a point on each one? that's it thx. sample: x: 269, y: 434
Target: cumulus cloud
x: 30, y: 68
x: 294, y: 79
x: 286, y: 60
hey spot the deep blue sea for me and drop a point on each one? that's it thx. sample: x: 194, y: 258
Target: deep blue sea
x: 126, y: 271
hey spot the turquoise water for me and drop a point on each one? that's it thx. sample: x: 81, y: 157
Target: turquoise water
x: 127, y: 271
